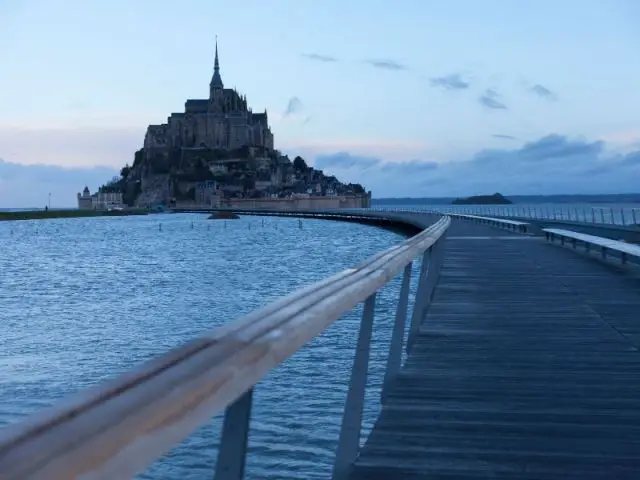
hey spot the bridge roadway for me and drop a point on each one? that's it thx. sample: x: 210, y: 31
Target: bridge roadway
x: 526, y: 366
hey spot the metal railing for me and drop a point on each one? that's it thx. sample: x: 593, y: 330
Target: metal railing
x: 622, y: 216
x: 116, y: 429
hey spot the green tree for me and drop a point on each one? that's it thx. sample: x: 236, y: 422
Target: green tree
x: 138, y: 157
x: 357, y: 188
x: 299, y: 164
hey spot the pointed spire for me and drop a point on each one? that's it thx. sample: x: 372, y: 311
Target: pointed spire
x: 216, y: 63
x: 216, y: 81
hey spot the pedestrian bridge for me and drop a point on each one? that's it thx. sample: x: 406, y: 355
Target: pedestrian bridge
x: 523, y: 363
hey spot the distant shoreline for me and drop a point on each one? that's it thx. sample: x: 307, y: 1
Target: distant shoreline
x: 50, y: 214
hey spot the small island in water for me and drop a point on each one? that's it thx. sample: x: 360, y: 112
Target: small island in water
x: 495, y: 199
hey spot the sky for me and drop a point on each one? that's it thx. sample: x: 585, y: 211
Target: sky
x: 418, y: 98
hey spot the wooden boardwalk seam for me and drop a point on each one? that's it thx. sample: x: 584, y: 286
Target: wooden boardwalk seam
x: 526, y: 367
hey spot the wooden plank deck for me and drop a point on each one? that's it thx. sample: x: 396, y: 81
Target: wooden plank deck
x: 527, y: 367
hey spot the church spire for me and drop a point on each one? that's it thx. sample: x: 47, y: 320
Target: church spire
x: 216, y: 81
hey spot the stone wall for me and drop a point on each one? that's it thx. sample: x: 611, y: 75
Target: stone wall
x: 302, y: 203
x: 305, y: 203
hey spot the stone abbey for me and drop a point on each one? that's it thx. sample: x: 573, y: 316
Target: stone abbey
x: 223, y: 121
x: 219, y: 152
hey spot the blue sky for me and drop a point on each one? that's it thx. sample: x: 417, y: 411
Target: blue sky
x: 415, y: 97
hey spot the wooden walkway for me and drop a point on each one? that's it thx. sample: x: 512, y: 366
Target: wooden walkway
x: 527, y: 367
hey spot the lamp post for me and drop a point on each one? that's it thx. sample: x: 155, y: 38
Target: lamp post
x: 49, y: 201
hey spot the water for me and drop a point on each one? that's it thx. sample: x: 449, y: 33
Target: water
x: 84, y: 299
x: 618, y: 214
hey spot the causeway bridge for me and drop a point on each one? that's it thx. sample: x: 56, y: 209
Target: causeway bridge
x: 522, y: 362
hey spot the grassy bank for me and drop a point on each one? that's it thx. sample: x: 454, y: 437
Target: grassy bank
x: 44, y: 214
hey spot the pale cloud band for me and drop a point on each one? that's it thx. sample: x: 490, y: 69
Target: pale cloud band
x: 71, y: 147
x: 552, y: 164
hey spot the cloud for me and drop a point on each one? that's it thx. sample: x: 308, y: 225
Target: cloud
x: 550, y: 165
x: 368, y: 147
x: 295, y: 112
x: 293, y: 106
x: 450, y: 82
x: 503, y: 136
x: 25, y: 186
x: 491, y: 99
x: 387, y: 65
x: 555, y: 146
x: 543, y: 92
x: 344, y: 160
x: 319, y: 58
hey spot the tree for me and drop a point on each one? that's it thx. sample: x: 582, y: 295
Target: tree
x: 357, y: 188
x: 299, y: 164
x: 124, y: 173
x: 138, y: 157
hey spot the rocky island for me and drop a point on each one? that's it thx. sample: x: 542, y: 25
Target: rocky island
x: 495, y: 199
x: 219, y: 152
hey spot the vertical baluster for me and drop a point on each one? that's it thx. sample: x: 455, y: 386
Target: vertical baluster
x: 602, y: 215
x: 612, y: 222
x: 349, y: 442
x: 397, y: 337
x: 633, y: 216
x: 431, y: 262
x: 418, y: 304
x: 232, y: 453
x: 622, y: 217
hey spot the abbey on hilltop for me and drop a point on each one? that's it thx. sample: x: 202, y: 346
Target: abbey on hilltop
x: 223, y: 121
x: 219, y: 152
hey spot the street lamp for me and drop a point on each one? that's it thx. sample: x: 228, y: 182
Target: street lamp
x: 49, y: 201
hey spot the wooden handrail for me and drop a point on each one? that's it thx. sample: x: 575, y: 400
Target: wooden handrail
x: 115, y: 429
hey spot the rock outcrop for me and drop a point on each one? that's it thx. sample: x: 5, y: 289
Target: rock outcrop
x: 495, y: 199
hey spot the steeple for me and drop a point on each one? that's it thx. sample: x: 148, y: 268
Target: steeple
x: 216, y: 81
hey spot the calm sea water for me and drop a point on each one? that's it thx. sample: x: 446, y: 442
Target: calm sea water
x: 82, y: 300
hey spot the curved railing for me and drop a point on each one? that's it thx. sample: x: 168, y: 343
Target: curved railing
x: 116, y: 429
x: 622, y: 216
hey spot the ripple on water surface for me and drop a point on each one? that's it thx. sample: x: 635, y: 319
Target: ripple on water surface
x: 85, y: 299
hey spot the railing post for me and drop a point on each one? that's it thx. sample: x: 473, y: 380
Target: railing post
x: 416, y: 315
x: 349, y: 441
x: 395, y: 348
x: 429, y: 272
x: 232, y: 453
